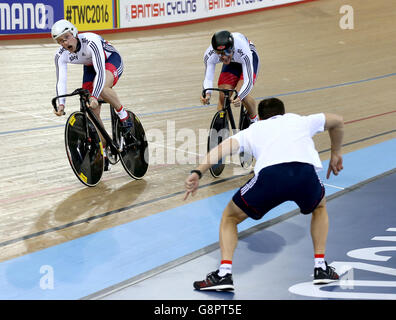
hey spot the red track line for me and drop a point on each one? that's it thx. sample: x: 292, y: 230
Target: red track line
x: 73, y: 186
x: 369, y: 117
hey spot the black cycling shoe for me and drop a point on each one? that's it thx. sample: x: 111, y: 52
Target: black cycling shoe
x: 107, y: 164
x: 127, y: 124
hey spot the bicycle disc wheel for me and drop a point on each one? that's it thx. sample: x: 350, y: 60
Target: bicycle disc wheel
x: 219, y: 131
x: 245, y: 158
x: 134, y: 149
x: 85, y: 152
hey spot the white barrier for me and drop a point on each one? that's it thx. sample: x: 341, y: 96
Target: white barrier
x: 142, y: 13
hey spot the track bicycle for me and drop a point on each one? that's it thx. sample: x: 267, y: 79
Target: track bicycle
x: 220, y: 129
x: 84, y: 147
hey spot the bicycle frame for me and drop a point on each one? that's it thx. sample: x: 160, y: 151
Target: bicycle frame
x: 84, y: 99
x: 227, y: 105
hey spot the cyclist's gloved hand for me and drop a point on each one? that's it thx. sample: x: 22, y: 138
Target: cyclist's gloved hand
x: 93, y: 103
x: 237, y: 102
x: 205, y: 100
x: 61, y: 110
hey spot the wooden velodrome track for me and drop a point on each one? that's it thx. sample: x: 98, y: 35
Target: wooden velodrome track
x: 304, y: 55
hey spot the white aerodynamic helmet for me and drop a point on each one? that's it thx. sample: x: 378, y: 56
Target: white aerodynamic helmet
x: 61, y: 27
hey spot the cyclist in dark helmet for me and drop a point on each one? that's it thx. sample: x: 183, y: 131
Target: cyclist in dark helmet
x: 223, y: 41
x: 241, y: 64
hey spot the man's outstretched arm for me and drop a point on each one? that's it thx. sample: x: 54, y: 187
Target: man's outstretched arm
x: 335, y: 126
x: 227, y: 147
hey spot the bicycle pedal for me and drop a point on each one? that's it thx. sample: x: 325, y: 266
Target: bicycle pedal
x: 113, y: 159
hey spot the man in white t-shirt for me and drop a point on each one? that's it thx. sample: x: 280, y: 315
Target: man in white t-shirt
x: 285, y: 170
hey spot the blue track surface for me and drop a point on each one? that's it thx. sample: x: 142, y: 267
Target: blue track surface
x: 275, y: 261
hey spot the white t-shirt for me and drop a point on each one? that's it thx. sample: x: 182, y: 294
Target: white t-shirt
x: 281, y: 139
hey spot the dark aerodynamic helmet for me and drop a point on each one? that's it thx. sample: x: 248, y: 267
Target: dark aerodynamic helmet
x: 223, y: 41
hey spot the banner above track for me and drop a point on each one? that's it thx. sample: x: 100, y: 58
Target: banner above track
x: 38, y: 16
x: 90, y: 15
x: 141, y: 13
x: 34, y: 18
x: 27, y: 17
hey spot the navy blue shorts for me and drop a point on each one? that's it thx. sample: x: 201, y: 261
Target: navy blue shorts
x: 232, y: 73
x: 293, y: 181
x: 113, y: 64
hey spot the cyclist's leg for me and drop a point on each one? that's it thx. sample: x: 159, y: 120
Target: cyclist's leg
x: 108, y: 93
x: 228, y: 79
x: 88, y: 78
x: 250, y: 105
x: 113, y: 73
x: 220, y: 103
x: 114, y: 68
x: 96, y: 112
x: 248, y: 101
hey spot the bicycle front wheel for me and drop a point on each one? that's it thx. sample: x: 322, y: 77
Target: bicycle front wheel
x: 134, y: 148
x: 84, y: 149
x: 218, y: 132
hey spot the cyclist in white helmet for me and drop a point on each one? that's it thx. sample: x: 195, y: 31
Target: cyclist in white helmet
x: 102, y: 68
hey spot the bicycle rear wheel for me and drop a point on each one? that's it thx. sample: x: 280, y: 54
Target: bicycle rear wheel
x: 245, y: 158
x: 134, y: 148
x: 219, y: 131
x: 85, y: 152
